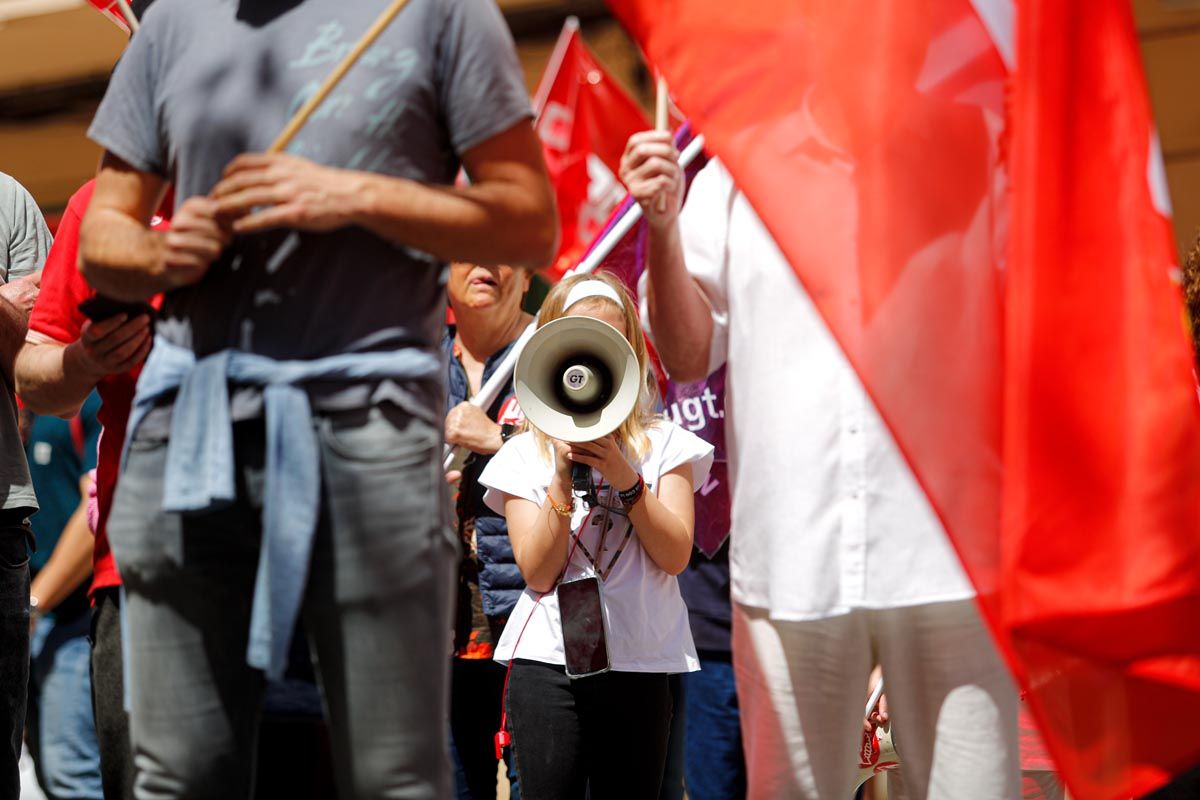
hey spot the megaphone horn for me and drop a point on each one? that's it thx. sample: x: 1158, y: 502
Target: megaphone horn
x: 577, y: 379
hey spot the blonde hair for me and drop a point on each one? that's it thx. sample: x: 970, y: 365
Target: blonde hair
x: 632, y: 432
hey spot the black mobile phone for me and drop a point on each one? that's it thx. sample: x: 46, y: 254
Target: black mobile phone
x: 582, y: 614
x: 99, y: 308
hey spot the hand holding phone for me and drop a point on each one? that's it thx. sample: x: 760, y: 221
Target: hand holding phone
x: 99, y: 308
x: 116, y: 343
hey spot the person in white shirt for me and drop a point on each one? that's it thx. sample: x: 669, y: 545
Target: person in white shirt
x: 604, y: 734
x: 838, y: 562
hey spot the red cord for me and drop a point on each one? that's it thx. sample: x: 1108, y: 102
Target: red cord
x: 503, y: 738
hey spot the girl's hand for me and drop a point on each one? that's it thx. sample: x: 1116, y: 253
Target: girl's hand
x: 605, y: 455
x: 562, y: 461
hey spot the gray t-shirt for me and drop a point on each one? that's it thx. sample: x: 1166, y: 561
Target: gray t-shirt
x: 205, y: 80
x: 24, y: 242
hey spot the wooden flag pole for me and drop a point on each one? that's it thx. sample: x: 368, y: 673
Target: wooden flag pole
x: 662, y: 122
x: 300, y: 117
x: 127, y: 14
x: 662, y: 106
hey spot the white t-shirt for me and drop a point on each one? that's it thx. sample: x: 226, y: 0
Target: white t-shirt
x: 645, y: 619
x: 827, y: 516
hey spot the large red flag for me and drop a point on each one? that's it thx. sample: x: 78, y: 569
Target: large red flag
x: 872, y: 139
x: 584, y: 119
x: 1102, y: 426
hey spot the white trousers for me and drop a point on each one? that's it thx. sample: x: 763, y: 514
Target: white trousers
x: 802, y: 687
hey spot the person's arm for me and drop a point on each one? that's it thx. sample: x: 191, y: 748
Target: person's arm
x: 69, y: 564
x: 505, y: 216
x: 679, y: 313
x: 539, y: 534
x: 121, y: 257
x: 56, y: 378
x: 664, y: 522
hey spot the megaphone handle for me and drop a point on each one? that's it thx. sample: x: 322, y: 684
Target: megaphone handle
x: 581, y: 482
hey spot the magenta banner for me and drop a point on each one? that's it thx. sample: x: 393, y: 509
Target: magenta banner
x: 699, y: 407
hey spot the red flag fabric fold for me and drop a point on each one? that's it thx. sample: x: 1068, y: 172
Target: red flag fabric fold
x: 1102, y: 440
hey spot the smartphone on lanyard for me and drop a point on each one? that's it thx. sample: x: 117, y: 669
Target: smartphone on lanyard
x: 582, y: 614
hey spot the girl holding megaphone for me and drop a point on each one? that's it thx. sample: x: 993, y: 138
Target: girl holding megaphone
x: 601, y: 625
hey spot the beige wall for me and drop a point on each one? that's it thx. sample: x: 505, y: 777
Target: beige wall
x: 1170, y: 34
x: 48, y: 42
x: 52, y: 43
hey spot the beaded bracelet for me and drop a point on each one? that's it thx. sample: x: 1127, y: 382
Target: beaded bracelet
x: 565, y: 510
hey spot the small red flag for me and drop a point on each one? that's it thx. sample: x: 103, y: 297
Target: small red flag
x: 584, y: 119
x: 110, y: 10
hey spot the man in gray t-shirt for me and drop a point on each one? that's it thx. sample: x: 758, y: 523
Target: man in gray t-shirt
x: 330, y: 257
x: 24, y: 242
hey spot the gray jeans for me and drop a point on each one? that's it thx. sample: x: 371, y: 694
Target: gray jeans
x: 377, y: 610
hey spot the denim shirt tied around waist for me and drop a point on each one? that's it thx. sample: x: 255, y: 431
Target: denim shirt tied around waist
x: 200, y: 469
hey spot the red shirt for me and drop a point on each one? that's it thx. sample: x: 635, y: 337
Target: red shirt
x: 56, y: 315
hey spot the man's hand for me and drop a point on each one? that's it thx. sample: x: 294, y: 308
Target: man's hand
x: 23, y: 291
x: 878, y: 717
x: 650, y: 170
x: 468, y: 426
x: 114, y: 345
x: 287, y: 191
x: 195, y: 240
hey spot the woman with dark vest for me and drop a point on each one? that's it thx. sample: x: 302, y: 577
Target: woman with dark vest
x: 488, y: 319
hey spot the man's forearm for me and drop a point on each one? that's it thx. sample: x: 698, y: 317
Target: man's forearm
x: 679, y: 315
x: 13, y: 324
x: 51, y: 378
x: 492, y: 223
x: 121, y: 257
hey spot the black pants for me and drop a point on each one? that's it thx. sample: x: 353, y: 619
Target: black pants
x: 108, y: 697
x: 14, y: 645
x: 605, y: 735
x: 476, y: 689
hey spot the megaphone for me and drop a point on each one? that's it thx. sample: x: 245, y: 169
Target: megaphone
x: 577, y: 380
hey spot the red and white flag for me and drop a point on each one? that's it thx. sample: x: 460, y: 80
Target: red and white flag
x: 113, y: 11
x: 968, y: 190
x: 584, y: 119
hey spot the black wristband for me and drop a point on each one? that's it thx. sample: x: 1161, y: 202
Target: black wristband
x: 506, y: 431
x: 630, y: 496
